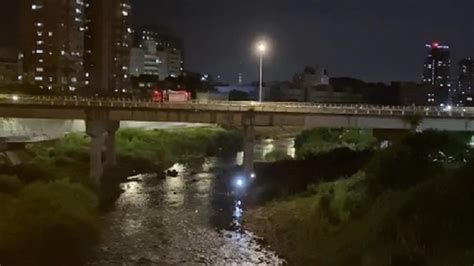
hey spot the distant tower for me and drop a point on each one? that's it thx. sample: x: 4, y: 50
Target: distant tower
x: 436, y: 71
x: 241, y: 79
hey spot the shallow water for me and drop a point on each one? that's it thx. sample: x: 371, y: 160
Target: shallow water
x: 191, y: 219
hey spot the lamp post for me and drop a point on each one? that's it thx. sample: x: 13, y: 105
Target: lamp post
x: 261, y: 48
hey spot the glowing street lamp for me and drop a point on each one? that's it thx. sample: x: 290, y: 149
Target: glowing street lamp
x: 261, y: 49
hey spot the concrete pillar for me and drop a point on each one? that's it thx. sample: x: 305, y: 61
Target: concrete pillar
x: 96, y: 169
x: 110, y: 150
x: 96, y: 129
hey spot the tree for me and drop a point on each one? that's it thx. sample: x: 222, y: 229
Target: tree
x: 416, y: 158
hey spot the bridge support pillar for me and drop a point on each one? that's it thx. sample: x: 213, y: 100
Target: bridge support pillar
x: 110, y: 150
x: 249, y: 143
x: 96, y: 168
x: 97, y: 130
x: 102, y: 133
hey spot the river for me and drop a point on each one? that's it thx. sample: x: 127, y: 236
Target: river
x: 191, y: 219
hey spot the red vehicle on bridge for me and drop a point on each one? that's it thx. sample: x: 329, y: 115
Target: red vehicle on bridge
x: 171, y: 96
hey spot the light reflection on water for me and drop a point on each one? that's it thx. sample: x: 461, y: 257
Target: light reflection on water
x: 190, y: 219
x: 173, y: 188
x: 132, y: 197
x: 262, y: 149
x: 237, y: 215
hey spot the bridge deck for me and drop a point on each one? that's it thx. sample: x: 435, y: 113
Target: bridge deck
x: 307, y: 115
x: 238, y: 106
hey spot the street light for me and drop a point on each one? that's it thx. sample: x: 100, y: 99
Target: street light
x: 261, y: 48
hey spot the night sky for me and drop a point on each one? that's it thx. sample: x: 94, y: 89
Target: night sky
x: 375, y: 40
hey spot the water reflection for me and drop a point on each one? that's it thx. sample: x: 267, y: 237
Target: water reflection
x: 191, y: 219
x: 174, y: 186
x: 173, y: 189
x: 237, y: 215
x: 262, y: 149
x: 240, y: 158
x: 133, y: 197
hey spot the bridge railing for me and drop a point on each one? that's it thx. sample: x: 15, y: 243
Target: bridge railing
x: 287, y: 107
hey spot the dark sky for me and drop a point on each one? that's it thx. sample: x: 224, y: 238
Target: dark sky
x: 375, y: 40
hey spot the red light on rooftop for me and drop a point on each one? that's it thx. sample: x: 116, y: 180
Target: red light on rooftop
x: 436, y: 45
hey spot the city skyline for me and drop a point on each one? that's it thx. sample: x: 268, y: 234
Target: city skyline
x: 390, y: 35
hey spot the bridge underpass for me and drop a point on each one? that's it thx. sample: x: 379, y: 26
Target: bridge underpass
x: 102, y: 118
x: 25, y: 130
x: 15, y: 133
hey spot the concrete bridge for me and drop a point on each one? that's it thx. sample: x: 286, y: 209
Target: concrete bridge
x: 305, y: 115
x: 103, y: 116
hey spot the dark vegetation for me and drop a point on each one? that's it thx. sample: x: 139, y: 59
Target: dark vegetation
x: 49, y: 207
x: 411, y: 204
x: 46, y: 223
x: 287, y: 177
x: 322, y: 140
x: 319, y: 153
x: 277, y: 155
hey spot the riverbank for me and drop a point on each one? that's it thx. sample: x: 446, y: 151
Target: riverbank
x: 410, y: 204
x: 49, y: 206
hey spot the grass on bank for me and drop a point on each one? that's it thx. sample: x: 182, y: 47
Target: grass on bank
x: 49, y: 207
x: 46, y: 223
x: 413, y: 204
x: 339, y: 224
x: 136, y: 148
x: 321, y: 140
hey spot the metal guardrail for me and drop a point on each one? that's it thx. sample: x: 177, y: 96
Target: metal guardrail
x: 281, y: 107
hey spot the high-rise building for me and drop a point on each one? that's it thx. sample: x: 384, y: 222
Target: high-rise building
x: 51, y: 37
x: 465, y: 83
x: 436, y: 72
x: 163, y: 53
x: 466, y: 76
x: 108, y: 42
